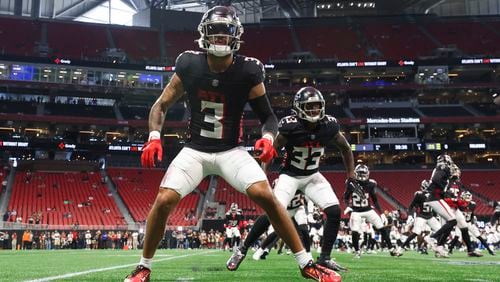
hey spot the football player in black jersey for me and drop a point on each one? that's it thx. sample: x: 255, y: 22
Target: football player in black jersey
x: 439, y: 181
x: 424, y: 216
x: 358, y: 203
x: 304, y: 135
x: 468, y: 211
x: 218, y: 84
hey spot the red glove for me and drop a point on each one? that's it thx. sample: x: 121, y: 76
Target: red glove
x: 152, y: 147
x: 267, y: 151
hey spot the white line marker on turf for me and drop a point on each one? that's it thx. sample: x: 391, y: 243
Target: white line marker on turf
x: 69, y: 275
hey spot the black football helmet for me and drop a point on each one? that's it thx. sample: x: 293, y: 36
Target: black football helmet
x: 444, y: 159
x: 220, y: 21
x: 362, y: 172
x: 424, y: 185
x: 304, y: 104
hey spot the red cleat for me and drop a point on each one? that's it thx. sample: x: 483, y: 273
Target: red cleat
x: 140, y: 274
x: 320, y: 273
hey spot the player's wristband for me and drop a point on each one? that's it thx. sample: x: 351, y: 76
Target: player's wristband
x: 269, y: 137
x: 155, y: 134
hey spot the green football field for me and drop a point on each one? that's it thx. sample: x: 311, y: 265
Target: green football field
x: 209, y: 265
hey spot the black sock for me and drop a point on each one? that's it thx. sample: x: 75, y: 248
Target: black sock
x: 355, y: 240
x: 494, y: 218
x: 304, y: 235
x: 385, y: 237
x: 466, y: 238
x: 409, y: 239
x: 453, y: 243
x: 260, y: 226
x: 483, y: 241
x: 331, y: 228
x: 270, y: 240
x: 442, y: 234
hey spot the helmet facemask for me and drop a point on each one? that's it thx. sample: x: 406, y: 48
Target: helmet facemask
x: 455, y: 171
x: 362, y: 173
x: 466, y: 196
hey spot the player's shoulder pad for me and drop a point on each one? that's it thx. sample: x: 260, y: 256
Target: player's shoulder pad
x: 331, y: 123
x: 372, y: 182
x: 254, y: 67
x: 288, y: 123
x: 252, y: 63
x: 330, y: 118
x: 472, y: 203
x: 184, y: 61
x: 185, y: 57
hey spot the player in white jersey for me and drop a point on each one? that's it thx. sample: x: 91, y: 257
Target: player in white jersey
x: 468, y: 211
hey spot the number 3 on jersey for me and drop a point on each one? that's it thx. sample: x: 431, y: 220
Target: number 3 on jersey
x: 215, y: 119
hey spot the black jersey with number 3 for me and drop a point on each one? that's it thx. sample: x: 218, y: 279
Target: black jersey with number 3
x: 216, y: 99
x: 305, y: 147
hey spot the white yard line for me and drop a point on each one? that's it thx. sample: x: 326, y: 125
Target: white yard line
x: 90, y: 271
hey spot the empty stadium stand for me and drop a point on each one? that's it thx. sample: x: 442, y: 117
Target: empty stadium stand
x: 399, y: 40
x: 18, y: 36
x: 262, y: 43
x: 138, y: 189
x: 140, y: 44
x: 331, y: 41
x: 64, y: 198
x: 471, y: 37
x: 92, y: 39
x: 395, y: 38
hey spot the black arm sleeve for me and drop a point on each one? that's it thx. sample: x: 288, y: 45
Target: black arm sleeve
x: 347, y: 195
x: 375, y: 201
x: 262, y: 108
x: 413, y: 204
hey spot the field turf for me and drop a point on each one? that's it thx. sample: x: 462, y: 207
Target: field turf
x: 209, y: 265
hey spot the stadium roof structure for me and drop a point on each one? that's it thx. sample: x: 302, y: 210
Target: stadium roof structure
x: 72, y: 9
